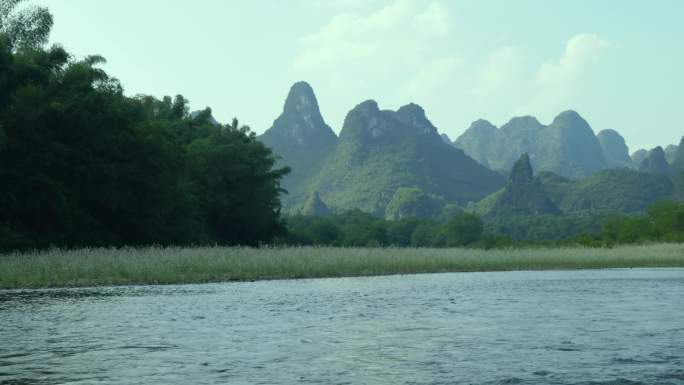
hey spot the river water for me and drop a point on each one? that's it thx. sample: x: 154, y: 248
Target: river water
x: 623, y: 326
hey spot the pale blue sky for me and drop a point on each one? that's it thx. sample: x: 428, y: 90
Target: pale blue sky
x: 617, y: 62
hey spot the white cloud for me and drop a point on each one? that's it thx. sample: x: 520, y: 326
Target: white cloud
x: 558, y: 81
x: 403, y: 51
x: 580, y: 51
x: 395, y: 37
x: 500, y: 73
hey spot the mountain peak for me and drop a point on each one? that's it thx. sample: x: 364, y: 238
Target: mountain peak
x: 655, y: 163
x: 524, y: 193
x: 476, y: 139
x: 412, y: 109
x: 570, y: 117
x: 369, y: 106
x: 522, y: 170
x: 301, y: 122
x: 609, y: 132
x: 482, y: 124
x: 301, y: 98
x: 614, y: 148
x: 414, y: 116
x: 300, y: 138
x: 522, y: 123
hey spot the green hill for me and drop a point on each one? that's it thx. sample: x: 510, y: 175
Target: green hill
x: 381, y: 151
x: 550, y: 206
x: 616, y: 190
x: 523, y: 193
x: 619, y: 190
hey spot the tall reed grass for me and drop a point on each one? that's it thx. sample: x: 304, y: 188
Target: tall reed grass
x: 157, y: 265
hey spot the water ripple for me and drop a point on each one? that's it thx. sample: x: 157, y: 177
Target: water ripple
x: 610, y: 327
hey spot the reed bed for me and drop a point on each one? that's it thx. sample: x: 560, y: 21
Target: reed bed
x: 174, y: 265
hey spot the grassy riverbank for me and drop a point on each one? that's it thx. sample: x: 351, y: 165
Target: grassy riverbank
x: 89, y: 267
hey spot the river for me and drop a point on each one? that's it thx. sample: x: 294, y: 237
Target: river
x: 622, y: 326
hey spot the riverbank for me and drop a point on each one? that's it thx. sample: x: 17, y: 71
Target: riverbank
x: 155, y: 265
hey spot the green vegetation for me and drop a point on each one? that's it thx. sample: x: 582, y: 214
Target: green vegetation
x: 528, y: 207
x: 663, y: 222
x: 358, y: 229
x: 81, y: 164
x: 89, y: 267
x: 619, y: 189
x: 413, y: 202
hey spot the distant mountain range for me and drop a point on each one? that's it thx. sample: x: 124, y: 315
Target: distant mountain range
x: 567, y: 146
x: 377, y: 152
x: 614, y: 190
x: 396, y: 164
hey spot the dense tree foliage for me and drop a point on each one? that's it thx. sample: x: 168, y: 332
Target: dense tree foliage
x: 81, y: 164
x: 28, y: 27
x: 663, y: 222
x: 356, y: 228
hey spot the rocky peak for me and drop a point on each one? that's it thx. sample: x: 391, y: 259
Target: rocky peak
x: 362, y: 120
x: 522, y: 123
x: 655, y: 163
x: 476, y: 140
x: 301, y: 99
x: 570, y: 116
x: 522, y: 171
x: 414, y: 115
x: 366, y: 108
x: 483, y: 126
x: 571, y: 123
x: 614, y: 148
x: 523, y: 193
x: 300, y: 123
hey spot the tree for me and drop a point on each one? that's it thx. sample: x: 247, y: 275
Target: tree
x: 238, y: 186
x: 24, y: 28
x: 462, y: 230
x: 82, y: 164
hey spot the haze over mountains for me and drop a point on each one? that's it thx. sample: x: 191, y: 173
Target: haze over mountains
x: 383, y: 156
x: 377, y: 152
x: 567, y: 146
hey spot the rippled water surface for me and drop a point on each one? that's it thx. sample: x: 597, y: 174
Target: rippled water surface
x: 567, y: 327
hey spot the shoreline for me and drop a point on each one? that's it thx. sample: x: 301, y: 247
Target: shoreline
x: 114, y: 286
x: 195, y: 265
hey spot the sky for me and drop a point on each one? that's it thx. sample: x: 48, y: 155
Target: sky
x: 616, y: 62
